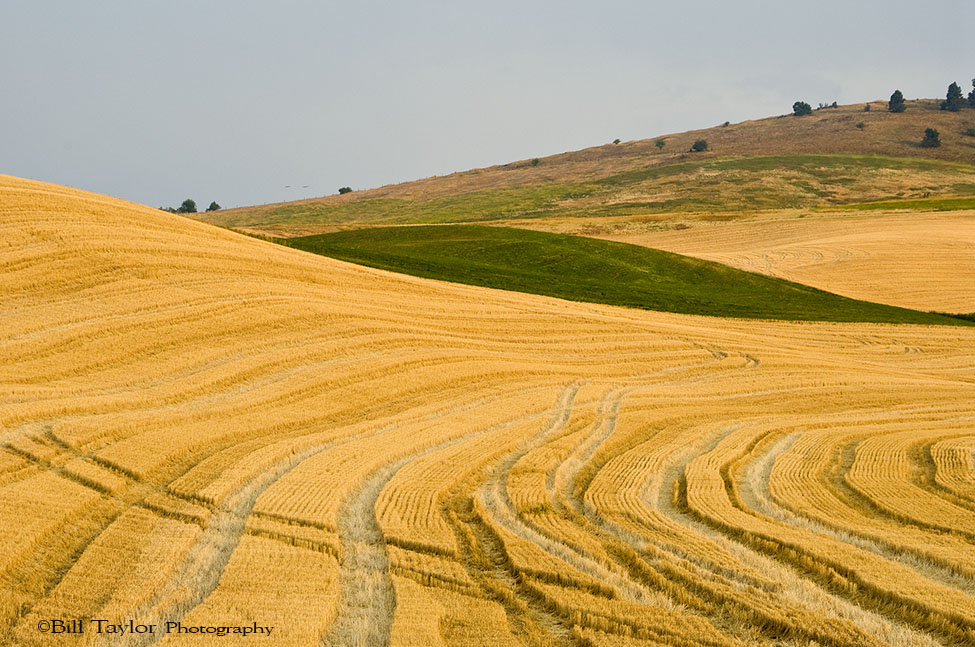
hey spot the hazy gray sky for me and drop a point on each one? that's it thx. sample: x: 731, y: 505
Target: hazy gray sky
x: 159, y: 100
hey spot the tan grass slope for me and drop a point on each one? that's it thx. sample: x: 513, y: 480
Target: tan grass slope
x: 827, y: 131
x: 203, y: 428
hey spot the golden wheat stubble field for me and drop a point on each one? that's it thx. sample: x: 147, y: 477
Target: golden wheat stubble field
x: 206, y: 430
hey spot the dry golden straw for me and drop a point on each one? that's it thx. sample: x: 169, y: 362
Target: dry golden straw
x: 200, y: 427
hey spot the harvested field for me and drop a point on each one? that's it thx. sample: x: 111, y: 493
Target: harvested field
x: 912, y: 259
x: 200, y: 427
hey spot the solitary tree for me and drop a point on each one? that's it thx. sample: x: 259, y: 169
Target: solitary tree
x: 660, y: 143
x: 213, y: 207
x: 699, y: 146
x: 953, y: 100
x: 896, y: 103
x: 800, y: 108
x: 616, y: 141
x: 931, y: 138
x: 188, y: 206
x: 345, y: 189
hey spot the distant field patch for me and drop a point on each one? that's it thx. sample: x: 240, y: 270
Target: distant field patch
x: 599, y: 271
x: 923, y: 204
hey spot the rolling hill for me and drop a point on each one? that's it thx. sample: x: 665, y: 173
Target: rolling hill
x: 777, y: 162
x: 909, y: 258
x: 842, y: 200
x: 198, y: 428
x: 583, y: 269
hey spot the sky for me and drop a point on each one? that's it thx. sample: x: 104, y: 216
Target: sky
x: 243, y: 102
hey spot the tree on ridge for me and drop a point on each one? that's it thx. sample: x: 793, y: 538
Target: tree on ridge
x: 800, y: 108
x: 896, y: 103
x: 953, y: 100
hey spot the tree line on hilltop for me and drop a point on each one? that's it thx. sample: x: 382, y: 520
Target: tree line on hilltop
x: 954, y: 101
x: 189, y: 206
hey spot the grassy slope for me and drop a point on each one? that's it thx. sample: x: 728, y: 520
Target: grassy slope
x: 584, y: 269
x: 818, y: 160
x: 705, y: 185
x: 921, y: 204
x: 780, y: 167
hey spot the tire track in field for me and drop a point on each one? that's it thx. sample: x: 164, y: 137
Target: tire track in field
x: 562, y: 478
x: 935, y: 476
x: 640, y: 557
x: 692, y: 578
x: 834, y: 586
x: 133, y: 491
x: 484, y: 556
x: 757, y: 496
x: 63, y: 546
x: 497, y: 504
x: 199, y: 572
x: 559, y: 482
x: 367, y: 598
x: 84, y: 528
x: 838, y: 621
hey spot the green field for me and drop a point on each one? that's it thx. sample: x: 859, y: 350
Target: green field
x: 599, y: 271
x: 922, y: 204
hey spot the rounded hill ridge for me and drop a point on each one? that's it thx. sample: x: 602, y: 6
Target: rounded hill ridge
x: 825, y: 131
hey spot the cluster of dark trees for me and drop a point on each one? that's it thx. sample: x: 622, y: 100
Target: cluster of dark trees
x: 189, y: 206
x: 954, y: 99
x: 800, y: 108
